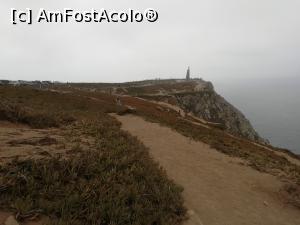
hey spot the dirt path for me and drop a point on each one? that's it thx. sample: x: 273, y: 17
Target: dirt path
x: 204, y: 123
x: 218, y: 190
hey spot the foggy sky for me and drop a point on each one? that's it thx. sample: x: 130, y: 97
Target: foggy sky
x: 219, y: 39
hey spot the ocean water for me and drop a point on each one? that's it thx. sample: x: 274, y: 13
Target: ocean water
x: 271, y: 105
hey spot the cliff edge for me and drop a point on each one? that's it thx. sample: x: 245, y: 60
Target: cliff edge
x: 196, y: 97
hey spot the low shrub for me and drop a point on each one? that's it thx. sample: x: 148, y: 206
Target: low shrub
x: 37, y: 119
x: 291, y: 193
x: 115, y: 183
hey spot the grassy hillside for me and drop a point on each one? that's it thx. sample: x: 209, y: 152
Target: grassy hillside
x: 257, y: 156
x: 115, y: 182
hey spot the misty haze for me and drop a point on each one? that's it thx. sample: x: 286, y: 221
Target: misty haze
x: 135, y: 112
x: 272, y: 105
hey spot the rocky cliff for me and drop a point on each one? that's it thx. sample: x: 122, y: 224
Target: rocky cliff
x: 205, y: 103
x: 212, y: 107
x: 199, y: 98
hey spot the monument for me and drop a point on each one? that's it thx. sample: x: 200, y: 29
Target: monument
x: 188, y: 75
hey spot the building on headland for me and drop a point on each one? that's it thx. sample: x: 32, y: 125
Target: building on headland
x: 4, y: 82
x: 188, y: 74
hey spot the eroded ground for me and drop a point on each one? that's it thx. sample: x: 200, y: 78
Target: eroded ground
x: 18, y: 141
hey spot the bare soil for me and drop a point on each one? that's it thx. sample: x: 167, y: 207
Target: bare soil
x: 22, y: 142
x: 218, y: 189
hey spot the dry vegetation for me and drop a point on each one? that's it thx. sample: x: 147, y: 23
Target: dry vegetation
x: 291, y: 194
x: 257, y: 157
x: 115, y: 182
x: 156, y: 89
x: 12, y: 112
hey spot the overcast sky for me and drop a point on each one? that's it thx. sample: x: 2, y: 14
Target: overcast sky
x: 219, y: 39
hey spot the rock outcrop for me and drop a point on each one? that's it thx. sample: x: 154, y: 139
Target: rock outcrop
x: 195, y: 96
x: 212, y: 107
x: 199, y: 98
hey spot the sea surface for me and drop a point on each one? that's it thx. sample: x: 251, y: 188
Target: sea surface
x: 271, y: 105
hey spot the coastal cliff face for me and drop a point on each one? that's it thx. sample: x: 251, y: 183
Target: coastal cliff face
x: 212, y: 107
x: 205, y: 103
x: 199, y: 98
x: 194, y: 96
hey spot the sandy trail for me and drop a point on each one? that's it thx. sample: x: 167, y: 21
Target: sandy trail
x: 203, y: 123
x: 218, y: 190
